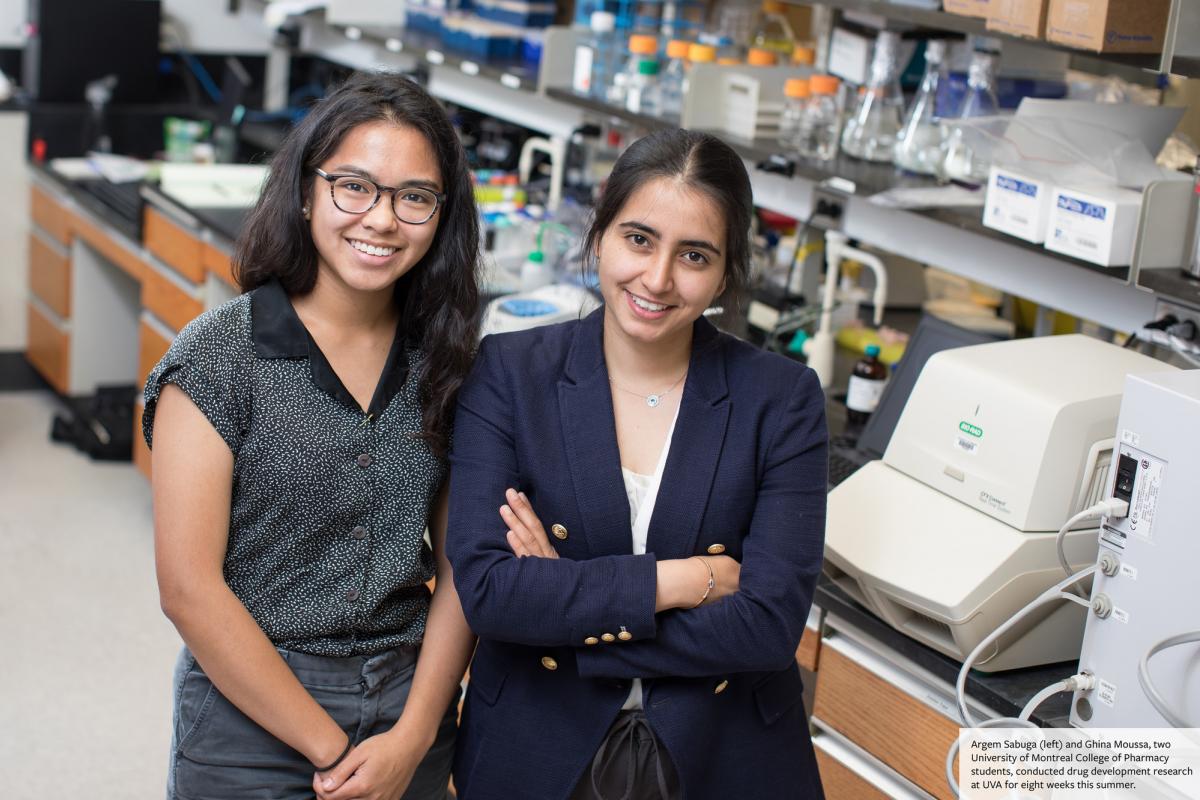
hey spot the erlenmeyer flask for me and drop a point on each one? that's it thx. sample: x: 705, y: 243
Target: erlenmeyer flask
x: 960, y: 161
x: 919, y: 146
x: 871, y: 133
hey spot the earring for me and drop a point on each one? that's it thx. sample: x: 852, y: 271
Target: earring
x: 306, y: 211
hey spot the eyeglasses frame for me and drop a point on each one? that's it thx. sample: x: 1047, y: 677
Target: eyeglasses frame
x: 331, y: 177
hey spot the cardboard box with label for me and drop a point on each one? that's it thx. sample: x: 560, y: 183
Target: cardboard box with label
x: 1109, y: 26
x: 1018, y: 203
x: 1096, y: 224
x: 1018, y: 17
x: 967, y: 8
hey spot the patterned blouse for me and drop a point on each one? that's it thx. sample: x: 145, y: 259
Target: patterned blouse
x: 327, y: 545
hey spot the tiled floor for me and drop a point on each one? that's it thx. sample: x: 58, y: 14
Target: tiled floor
x: 85, y: 653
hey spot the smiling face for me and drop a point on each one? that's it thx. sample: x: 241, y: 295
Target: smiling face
x: 662, y: 261
x: 369, y: 252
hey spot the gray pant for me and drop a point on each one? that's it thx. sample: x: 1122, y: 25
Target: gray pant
x: 218, y: 753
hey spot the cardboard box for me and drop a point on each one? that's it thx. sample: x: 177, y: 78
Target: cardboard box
x: 1109, y: 26
x: 967, y: 8
x: 1096, y: 224
x: 1018, y: 17
x: 1018, y: 203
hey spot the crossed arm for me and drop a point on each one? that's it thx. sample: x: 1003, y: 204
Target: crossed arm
x: 541, y: 600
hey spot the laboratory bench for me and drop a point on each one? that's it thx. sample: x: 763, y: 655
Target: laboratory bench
x: 109, y: 290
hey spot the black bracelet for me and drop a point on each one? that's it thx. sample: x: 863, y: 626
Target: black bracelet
x: 341, y: 758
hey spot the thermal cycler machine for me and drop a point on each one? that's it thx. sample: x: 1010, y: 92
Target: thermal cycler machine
x: 953, y: 530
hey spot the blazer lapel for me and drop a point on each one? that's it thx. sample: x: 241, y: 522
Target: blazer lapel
x: 696, y: 446
x: 589, y: 431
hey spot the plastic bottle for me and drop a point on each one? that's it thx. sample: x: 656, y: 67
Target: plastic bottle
x: 919, y: 146
x: 641, y: 47
x: 866, y: 386
x: 794, y: 110
x: 643, y: 95
x: 960, y: 161
x: 871, y: 133
x: 818, y: 136
x: 773, y: 32
x: 596, y: 57
x: 671, y: 81
x: 535, y: 272
x: 761, y: 57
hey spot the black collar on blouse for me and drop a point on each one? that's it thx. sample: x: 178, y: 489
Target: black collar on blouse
x: 278, y: 333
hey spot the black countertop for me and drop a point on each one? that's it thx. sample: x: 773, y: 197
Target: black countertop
x: 120, y: 206
x: 1004, y: 692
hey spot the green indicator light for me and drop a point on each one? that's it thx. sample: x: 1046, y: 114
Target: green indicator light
x: 973, y: 430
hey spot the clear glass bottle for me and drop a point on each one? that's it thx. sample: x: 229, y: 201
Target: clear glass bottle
x: 960, y: 161
x: 794, y: 109
x: 596, y: 57
x: 641, y: 47
x: 820, y: 126
x: 919, y: 146
x: 871, y: 133
x: 773, y: 31
x: 643, y: 95
x: 697, y: 54
x: 671, y: 81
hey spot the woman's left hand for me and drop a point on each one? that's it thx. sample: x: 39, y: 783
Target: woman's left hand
x: 378, y: 769
x: 526, y: 536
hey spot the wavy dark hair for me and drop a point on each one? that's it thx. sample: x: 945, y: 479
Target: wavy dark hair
x: 438, y: 298
x: 702, y: 162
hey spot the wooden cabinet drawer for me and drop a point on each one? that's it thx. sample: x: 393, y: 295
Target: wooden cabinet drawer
x: 892, y: 725
x: 219, y: 264
x: 849, y: 775
x: 167, y: 301
x: 809, y: 649
x: 50, y: 276
x: 842, y: 783
x: 48, y: 349
x: 141, y: 453
x: 48, y: 215
x: 151, y: 347
x: 173, y: 245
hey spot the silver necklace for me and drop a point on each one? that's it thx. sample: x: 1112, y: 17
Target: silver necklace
x: 652, y: 400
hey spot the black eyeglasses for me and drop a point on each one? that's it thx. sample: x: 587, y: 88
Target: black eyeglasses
x: 355, y: 194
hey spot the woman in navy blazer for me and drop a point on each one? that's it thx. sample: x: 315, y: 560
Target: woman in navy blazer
x: 663, y: 666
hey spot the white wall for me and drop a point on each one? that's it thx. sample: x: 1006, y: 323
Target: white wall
x: 14, y: 230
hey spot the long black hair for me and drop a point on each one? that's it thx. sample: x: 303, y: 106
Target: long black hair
x: 702, y: 162
x: 438, y: 298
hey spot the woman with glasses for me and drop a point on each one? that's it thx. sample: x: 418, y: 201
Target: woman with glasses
x: 299, y: 437
x: 637, y: 513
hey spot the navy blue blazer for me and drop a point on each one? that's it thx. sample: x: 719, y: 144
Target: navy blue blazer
x: 746, y: 470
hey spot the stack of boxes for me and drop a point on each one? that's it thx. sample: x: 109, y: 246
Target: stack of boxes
x: 1102, y: 26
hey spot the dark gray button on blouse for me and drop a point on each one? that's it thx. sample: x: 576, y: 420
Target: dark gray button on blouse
x: 330, y: 504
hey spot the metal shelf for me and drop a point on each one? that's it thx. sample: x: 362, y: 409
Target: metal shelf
x: 976, y: 26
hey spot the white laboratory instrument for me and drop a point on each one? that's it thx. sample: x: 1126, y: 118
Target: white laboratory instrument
x: 954, y: 529
x: 1146, y: 590
x: 558, y: 302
